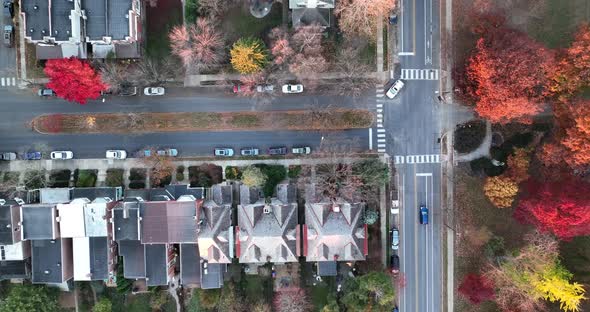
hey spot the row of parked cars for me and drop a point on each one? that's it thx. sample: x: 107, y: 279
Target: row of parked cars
x: 129, y: 91
x: 110, y: 154
x: 395, y: 239
x: 267, y: 88
x: 8, y: 11
x: 253, y: 151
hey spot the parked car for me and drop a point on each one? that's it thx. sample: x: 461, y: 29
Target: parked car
x: 292, y: 88
x: 154, y: 91
x: 395, y: 239
x: 301, y: 150
x: 62, y: 155
x: 265, y: 88
x: 9, y: 8
x: 172, y: 152
x: 45, y: 92
x: 32, y: 156
x: 127, y: 91
x: 116, y: 154
x: 224, y: 151
x: 8, y: 35
x: 279, y: 150
x: 423, y: 214
x: 394, y: 89
x: 393, y: 19
x: 8, y: 156
x: 249, y: 151
x: 394, y: 262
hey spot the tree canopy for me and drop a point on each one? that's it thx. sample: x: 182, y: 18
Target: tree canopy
x: 30, y: 298
x: 74, y: 80
x: 372, y: 289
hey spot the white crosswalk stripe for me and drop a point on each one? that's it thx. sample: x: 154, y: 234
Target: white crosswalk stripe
x: 419, y: 74
x: 381, y: 141
x: 399, y: 160
x: 7, y: 81
x: 421, y: 159
x: 380, y: 130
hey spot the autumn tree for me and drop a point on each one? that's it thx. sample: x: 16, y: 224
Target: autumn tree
x: 518, y: 165
x: 199, y: 44
x: 577, y: 137
x: 508, y: 71
x: 253, y: 177
x: 476, y: 288
x: 161, y: 166
x: 74, y: 80
x: 359, y: 17
x: 293, y: 300
x: 355, y: 75
x: 554, y: 284
x: 559, y: 207
x: 248, y: 55
x: 572, y: 71
x: 501, y: 191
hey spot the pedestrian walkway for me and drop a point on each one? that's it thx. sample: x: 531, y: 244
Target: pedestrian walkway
x: 7, y: 82
x: 419, y: 74
x: 417, y: 159
x: 381, y: 136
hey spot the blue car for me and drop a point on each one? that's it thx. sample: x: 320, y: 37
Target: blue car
x: 423, y: 216
x: 32, y: 156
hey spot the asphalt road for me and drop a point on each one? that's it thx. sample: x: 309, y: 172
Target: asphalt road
x: 19, y: 107
x: 7, y: 57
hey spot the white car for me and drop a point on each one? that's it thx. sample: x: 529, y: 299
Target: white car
x: 154, y: 91
x: 301, y: 150
x: 292, y: 88
x: 394, y: 90
x: 116, y: 154
x: 62, y: 155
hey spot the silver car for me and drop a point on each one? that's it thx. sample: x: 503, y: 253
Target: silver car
x: 8, y: 156
x: 154, y: 91
x: 249, y: 151
x: 395, y: 239
x: 224, y: 151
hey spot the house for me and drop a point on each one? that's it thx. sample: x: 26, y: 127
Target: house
x: 307, y: 12
x: 170, y: 192
x: 333, y: 231
x: 83, y: 28
x: 52, y: 261
x: 169, y: 222
x: 14, y: 253
x: 268, y: 231
x: 39, y: 222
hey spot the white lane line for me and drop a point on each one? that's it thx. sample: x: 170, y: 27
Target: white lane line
x: 380, y: 125
x: 381, y: 151
x: 2, y: 81
x: 381, y: 135
x: 13, y: 81
x: 380, y: 145
x: 424, y: 174
x: 370, y: 138
x: 380, y: 120
x: 405, y: 53
x: 380, y: 130
x: 379, y: 105
x: 379, y: 111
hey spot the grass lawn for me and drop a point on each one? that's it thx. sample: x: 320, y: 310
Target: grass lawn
x: 85, y: 178
x: 559, y: 21
x: 160, y: 20
x: 257, y: 288
x: 240, y: 23
x: 275, y: 174
x: 34, y: 68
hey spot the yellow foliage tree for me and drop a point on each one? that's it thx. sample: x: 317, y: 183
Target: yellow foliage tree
x: 248, y: 55
x: 554, y: 285
x: 501, y: 191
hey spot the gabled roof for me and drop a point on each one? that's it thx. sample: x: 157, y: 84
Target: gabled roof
x: 39, y: 221
x: 190, y: 265
x: 169, y: 222
x: 268, y: 232
x: 126, y: 221
x: 214, y: 230
x: 334, y: 231
x: 156, y: 269
x: 49, y: 261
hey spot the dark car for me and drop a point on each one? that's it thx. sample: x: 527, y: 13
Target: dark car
x: 127, y: 91
x: 278, y: 150
x: 32, y: 156
x: 46, y: 92
x: 423, y: 214
x: 9, y: 8
x: 8, y: 35
x: 394, y: 262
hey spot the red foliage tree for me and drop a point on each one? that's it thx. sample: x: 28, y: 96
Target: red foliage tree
x: 476, y: 288
x: 74, y: 80
x: 559, y: 207
x: 508, y: 72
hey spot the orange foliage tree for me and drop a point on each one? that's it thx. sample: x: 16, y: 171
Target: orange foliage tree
x: 577, y: 137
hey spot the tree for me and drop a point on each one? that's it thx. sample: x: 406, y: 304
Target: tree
x: 508, y: 71
x: 500, y: 190
x: 518, y: 165
x: 161, y: 166
x: 103, y: 305
x: 27, y: 298
x: 216, y: 8
x: 248, y: 55
x: 373, y: 172
x: 373, y: 289
x: 476, y: 288
x: 572, y: 71
x: 295, y: 300
x: 554, y: 285
x: 355, y: 75
x: 371, y: 216
x: 253, y: 177
x: 577, y: 137
x: 559, y: 207
x: 199, y: 44
x: 73, y: 80
x: 359, y: 17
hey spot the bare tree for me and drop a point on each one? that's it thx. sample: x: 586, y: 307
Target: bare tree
x: 216, y: 8
x: 199, y: 45
x: 161, y: 166
x: 114, y: 74
x: 292, y: 301
x: 359, y: 17
x: 356, y: 76
x: 154, y: 71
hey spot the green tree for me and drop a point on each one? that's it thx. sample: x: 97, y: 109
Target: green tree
x: 373, y: 289
x: 209, y: 298
x: 370, y: 216
x: 30, y: 298
x: 253, y: 176
x: 103, y: 305
x: 372, y: 171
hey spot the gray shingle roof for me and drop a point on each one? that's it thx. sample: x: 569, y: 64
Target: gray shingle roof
x: 37, y: 18
x: 14, y: 269
x: 327, y: 268
x: 214, y: 234
x: 133, y: 253
x: 126, y: 224
x: 169, y: 222
x: 118, y: 21
x: 61, y: 25
x: 39, y: 221
x: 156, y: 271
x: 190, y: 264
x: 47, y: 260
x: 96, y: 26
x: 212, y: 276
x: 6, y: 226
x: 99, y: 258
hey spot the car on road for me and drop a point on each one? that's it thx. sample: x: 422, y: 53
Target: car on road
x: 62, y: 155
x: 394, y: 263
x: 127, y: 91
x: 265, y: 88
x: 394, y: 89
x: 423, y: 214
x: 154, y: 91
x: 301, y: 150
x: 45, y: 92
x: 292, y: 88
x: 116, y: 154
x: 171, y: 152
x: 277, y: 150
x: 32, y: 156
x: 224, y: 151
x: 394, y: 239
x: 249, y: 151
x: 8, y: 156
x: 8, y: 35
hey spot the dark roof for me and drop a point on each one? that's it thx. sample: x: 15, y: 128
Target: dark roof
x: 169, y: 222
x: 61, y: 25
x: 48, y: 52
x: 37, y: 20
x: 37, y: 221
x: 287, y: 193
x: 6, y: 225
x: 14, y: 269
x: 133, y: 254
x: 131, y: 195
x: 118, y: 19
x: 178, y: 190
x: 156, y: 271
x: 96, y: 19
x: 99, y: 258
x: 308, y: 16
x: 327, y: 268
x: 126, y: 227
x: 249, y: 195
x: 214, y: 276
x: 46, y: 256
x: 96, y: 192
x: 190, y: 264
x: 222, y: 194
x: 127, y: 50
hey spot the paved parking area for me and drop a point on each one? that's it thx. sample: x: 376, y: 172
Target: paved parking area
x: 7, y: 56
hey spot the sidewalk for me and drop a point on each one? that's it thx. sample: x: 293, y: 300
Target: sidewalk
x: 223, y: 79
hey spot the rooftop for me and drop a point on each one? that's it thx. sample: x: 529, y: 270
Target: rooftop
x: 133, y: 253
x: 55, y: 195
x: 156, y: 270
x: 47, y: 260
x: 190, y: 264
x: 14, y: 269
x: 214, y: 229
x: 39, y: 221
x: 9, y: 229
x: 169, y: 222
x: 212, y: 275
x: 126, y: 221
x: 327, y: 4
x: 37, y: 18
x: 61, y: 25
x: 92, y: 193
x: 16, y: 251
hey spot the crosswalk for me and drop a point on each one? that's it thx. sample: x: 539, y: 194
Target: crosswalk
x: 417, y: 159
x: 419, y: 74
x: 381, y: 141
x: 7, y: 82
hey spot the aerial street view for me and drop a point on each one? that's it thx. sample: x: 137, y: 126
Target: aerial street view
x: 295, y: 155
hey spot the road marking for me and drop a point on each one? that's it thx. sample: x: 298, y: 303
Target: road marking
x: 380, y: 130
x: 423, y: 159
x: 381, y: 151
x: 379, y: 105
x: 419, y: 74
x: 370, y: 138
x: 381, y: 135
x: 399, y: 160
x: 424, y: 174
x: 7, y: 81
x: 13, y: 81
x: 380, y: 125
x: 2, y: 79
x: 379, y: 120
x: 405, y: 53
x: 379, y: 111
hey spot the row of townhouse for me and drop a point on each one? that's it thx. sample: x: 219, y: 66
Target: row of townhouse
x: 173, y: 234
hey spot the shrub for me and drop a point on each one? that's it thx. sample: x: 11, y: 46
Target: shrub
x: 485, y: 164
x: 204, y: 175
x: 115, y: 177
x: 34, y: 179
x: 180, y: 173
x: 163, y: 181
x: 275, y: 174
x: 59, y: 178
x: 294, y: 171
x: 85, y: 178
x: 137, y: 178
x: 469, y: 136
x: 191, y: 9
x: 253, y: 177
x: 233, y: 173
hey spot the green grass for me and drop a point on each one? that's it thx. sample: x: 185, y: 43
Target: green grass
x: 191, y: 10
x: 160, y: 20
x: 257, y: 288
x: 557, y: 25
x: 240, y: 23
x: 85, y: 178
x: 138, y: 303
x: 246, y: 121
